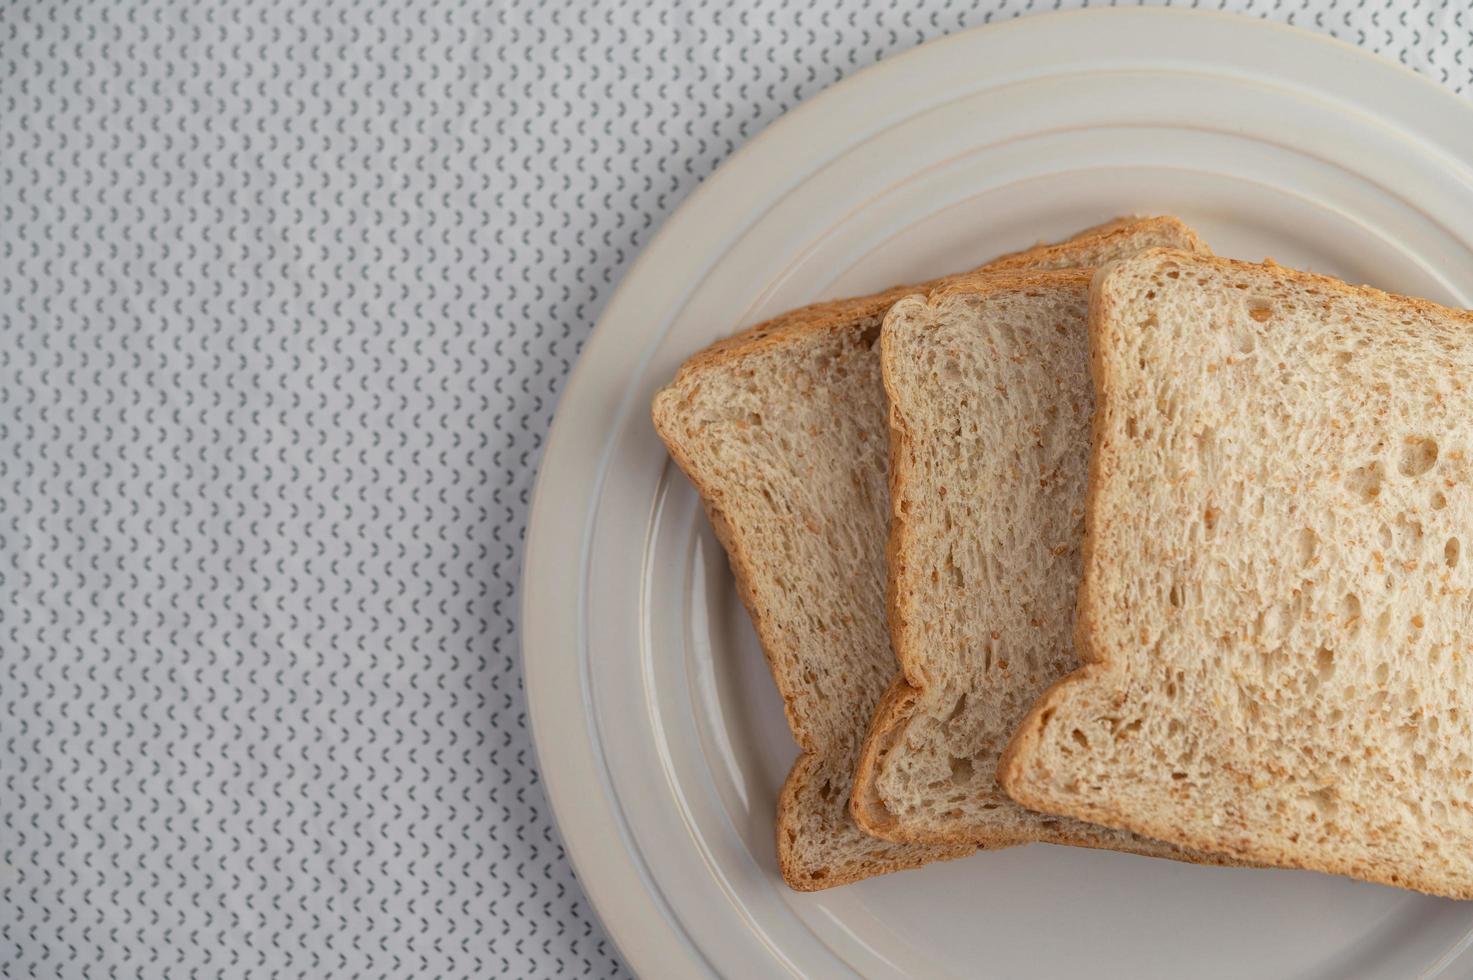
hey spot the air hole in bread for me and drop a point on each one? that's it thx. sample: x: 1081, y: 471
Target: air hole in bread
x: 1439, y: 501
x: 961, y: 769
x: 1080, y: 738
x: 1365, y: 481
x: 957, y: 708
x: 1131, y: 428
x: 1260, y: 309
x: 1207, y: 445
x: 1451, y: 552
x: 1324, y: 664
x: 1307, y: 545
x: 1166, y: 405
x: 1418, y: 455
x: 869, y: 335
x: 1324, y: 802
x: 1174, y: 596
x: 957, y: 580
x: 1343, y: 358
x: 1383, y: 624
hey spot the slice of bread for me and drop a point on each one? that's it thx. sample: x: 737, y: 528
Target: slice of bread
x: 990, y: 409
x: 782, y: 429
x: 1274, y: 605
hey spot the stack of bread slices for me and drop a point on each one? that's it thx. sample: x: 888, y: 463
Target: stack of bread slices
x: 1110, y: 543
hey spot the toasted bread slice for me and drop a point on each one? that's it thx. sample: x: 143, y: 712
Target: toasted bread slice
x: 1274, y: 605
x: 990, y: 409
x: 783, y: 431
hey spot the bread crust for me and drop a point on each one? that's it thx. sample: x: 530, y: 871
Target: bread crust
x: 866, y: 804
x: 899, y: 857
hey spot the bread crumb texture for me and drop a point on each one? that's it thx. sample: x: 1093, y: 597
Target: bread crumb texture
x: 1273, y: 587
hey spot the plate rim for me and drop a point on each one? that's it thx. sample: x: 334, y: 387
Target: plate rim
x: 647, y: 933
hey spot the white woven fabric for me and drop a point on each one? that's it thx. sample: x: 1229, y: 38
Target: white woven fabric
x: 288, y: 292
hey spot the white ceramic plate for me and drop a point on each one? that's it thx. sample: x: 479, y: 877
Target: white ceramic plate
x: 659, y: 734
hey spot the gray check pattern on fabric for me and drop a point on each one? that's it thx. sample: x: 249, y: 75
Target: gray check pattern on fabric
x: 288, y: 294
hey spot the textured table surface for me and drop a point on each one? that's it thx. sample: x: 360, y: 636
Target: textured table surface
x: 288, y: 293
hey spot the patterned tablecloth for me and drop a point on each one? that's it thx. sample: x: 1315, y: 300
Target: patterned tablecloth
x: 288, y: 293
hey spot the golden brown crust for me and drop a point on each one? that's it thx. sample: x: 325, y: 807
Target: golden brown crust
x: 802, y: 878
x: 842, y: 313
x: 1101, y: 236
x: 796, y: 324
x: 865, y: 803
x: 1028, y: 733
